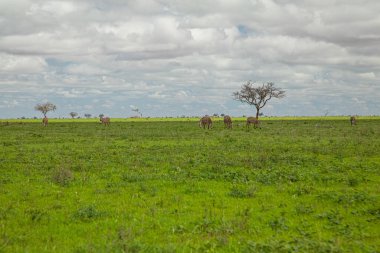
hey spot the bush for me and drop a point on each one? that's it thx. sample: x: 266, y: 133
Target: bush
x: 62, y: 176
x: 242, y: 191
x: 87, y: 213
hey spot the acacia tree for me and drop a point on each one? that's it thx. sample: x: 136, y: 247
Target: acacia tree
x: 73, y: 114
x: 258, y: 96
x: 45, y: 108
x: 137, y: 110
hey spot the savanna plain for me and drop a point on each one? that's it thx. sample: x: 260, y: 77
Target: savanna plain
x: 293, y: 185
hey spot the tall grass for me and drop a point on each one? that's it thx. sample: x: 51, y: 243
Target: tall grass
x: 169, y: 186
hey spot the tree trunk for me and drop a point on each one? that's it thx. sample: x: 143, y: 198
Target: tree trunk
x: 257, y: 113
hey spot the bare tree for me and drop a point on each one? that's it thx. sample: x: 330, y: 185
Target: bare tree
x: 135, y: 109
x: 73, y: 114
x: 258, y: 96
x: 45, y: 108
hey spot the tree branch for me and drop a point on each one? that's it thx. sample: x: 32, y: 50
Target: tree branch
x: 258, y: 96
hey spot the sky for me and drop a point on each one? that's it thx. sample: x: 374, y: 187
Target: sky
x: 173, y: 58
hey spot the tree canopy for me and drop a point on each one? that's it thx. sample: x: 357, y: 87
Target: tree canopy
x: 258, y: 95
x: 45, y: 108
x: 73, y: 114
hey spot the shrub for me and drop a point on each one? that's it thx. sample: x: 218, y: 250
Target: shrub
x: 87, y: 213
x: 352, y: 182
x: 62, y: 176
x: 36, y: 215
x: 242, y: 191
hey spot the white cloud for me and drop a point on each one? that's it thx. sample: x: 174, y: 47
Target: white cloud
x: 21, y: 64
x: 170, y: 53
x: 9, y: 103
x: 52, y: 8
x: 85, y: 69
x: 158, y: 95
x: 368, y: 75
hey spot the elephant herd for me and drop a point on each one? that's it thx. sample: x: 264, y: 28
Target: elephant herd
x: 103, y: 120
x: 204, y: 122
x: 207, y: 121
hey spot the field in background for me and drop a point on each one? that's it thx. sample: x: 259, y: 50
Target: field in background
x: 185, y: 119
x: 154, y: 185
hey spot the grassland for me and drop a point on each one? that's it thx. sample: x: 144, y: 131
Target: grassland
x: 168, y: 186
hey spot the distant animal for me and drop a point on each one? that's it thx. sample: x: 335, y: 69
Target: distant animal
x: 45, y: 121
x: 254, y: 121
x: 353, y: 120
x: 105, y: 120
x: 206, y: 120
x: 227, y: 121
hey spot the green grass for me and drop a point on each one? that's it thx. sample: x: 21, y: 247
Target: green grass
x: 152, y: 185
x: 189, y: 119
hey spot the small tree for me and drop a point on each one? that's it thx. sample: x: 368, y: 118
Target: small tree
x: 73, y: 114
x: 45, y: 108
x: 258, y: 96
x: 137, y: 110
x: 87, y: 115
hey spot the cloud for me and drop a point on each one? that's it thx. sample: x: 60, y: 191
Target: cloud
x: 9, y: 103
x: 51, y: 8
x: 170, y: 54
x: 85, y: 69
x: 133, y: 107
x: 21, y: 64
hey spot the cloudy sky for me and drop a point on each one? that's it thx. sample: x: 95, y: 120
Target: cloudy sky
x: 172, y: 58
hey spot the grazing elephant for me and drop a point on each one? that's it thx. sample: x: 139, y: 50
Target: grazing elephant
x: 227, y: 121
x: 45, y: 121
x: 206, y: 120
x: 105, y: 120
x: 254, y: 121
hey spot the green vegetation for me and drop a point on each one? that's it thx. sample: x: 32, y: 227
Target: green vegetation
x: 169, y: 186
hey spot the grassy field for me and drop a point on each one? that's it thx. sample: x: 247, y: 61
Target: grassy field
x: 295, y: 185
x: 192, y: 119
